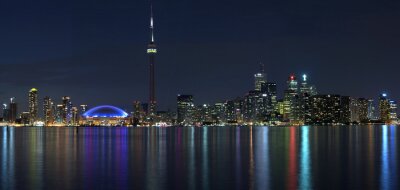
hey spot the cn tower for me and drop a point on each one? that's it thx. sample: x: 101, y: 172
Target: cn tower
x: 152, y: 51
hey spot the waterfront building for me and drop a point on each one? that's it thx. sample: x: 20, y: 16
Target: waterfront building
x: 138, y: 114
x: 13, y: 110
x: 233, y: 111
x: 345, y: 109
x: 371, y: 110
x: 203, y: 114
x: 105, y: 115
x: 230, y: 111
x: 84, y: 108
x: 325, y: 109
x: 33, y: 105
x: 384, y: 108
x: 59, y: 117
x: 67, y: 110
x: 218, y: 113
x: 363, y: 110
x: 270, y: 89
x: 48, y: 111
x: 255, y: 106
x: 185, y: 110
x: 74, y: 116
x: 359, y: 110
x: 393, y: 111
x: 292, y: 102
x: 6, y: 113
x: 25, y: 118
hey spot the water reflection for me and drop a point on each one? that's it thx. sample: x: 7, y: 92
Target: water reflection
x: 262, y: 159
x: 7, y: 158
x: 305, y: 166
x: 307, y: 157
x: 292, y: 168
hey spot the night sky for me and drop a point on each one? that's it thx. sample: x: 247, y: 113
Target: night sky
x: 95, y: 51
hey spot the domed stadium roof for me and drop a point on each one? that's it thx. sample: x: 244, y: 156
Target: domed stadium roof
x: 105, y: 111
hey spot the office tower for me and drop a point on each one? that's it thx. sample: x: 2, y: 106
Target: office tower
x: 25, y: 118
x: 359, y: 110
x: 60, y: 114
x: 384, y: 108
x: 371, y: 110
x: 292, y: 101
x: 152, y: 51
x: 271, y: 90
x: 185, y: 109
x: 33, y: 105
x: 84, y: 108
x: 255, y: 106
x: 363, y: 110
x: 280, y: 107
x: 48, y: 111
x: 203, y: 114
x: 305, y: 87
x: 67, y: 110
x: 305, y: 108
x: 218, y: 113
x: 292, y: 83
x: 345, y: 110
x: 354, y: 110
x: 306, y: 91
x: 259, y: 78
x: 74, y: 116
x: 6, y: 113
x: 138, y: 113
x: 145, y: 107
x: 393, y: 111
x: 234, y: 110
x: 230, y: 111
x: 13, y: 110
x: 325, y: 109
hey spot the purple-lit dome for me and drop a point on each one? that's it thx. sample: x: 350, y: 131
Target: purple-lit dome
x: 106, y: 111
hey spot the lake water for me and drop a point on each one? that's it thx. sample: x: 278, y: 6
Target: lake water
x: 324, y: 157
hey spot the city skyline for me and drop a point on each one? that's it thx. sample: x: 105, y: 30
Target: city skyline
x: 217, y: 68
x: 300, y: 104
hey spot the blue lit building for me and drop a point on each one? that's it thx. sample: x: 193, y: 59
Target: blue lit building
x: 105, y: 115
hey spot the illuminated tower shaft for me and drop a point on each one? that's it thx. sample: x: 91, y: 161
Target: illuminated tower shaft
x: 152, y: 51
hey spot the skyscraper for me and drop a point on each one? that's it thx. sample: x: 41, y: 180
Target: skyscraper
x: 67, y: 110
x: 259, y: 78
x: 384, y: 108
x: 393, y: 111
x: 185, y: 109
x: 13, y: 110
x: 74, y: 116
x: 345, y: 111
x: 48, y: 111
x: 305, y: 87
x: 33, y: 105
x: 371, y: 110
x: 325, y: 109
x: 6, y: 113
x: 84, y: 108
x: 292, y: 101
x: 270, y: 89
x: 152, y: 51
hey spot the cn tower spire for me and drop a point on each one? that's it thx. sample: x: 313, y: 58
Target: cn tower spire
x: 151, y: 21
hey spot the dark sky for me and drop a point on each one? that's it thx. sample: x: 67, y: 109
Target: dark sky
x: 94, y: 51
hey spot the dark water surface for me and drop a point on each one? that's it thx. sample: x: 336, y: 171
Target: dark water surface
x: 329, y: 157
